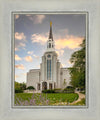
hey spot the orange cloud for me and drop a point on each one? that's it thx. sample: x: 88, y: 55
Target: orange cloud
x: 21, y: 66
x: 37, y: 19
x: 16, y: 16
x: 70, y: 42
x: 60, y: 52
x: 16, y: 76
x: 63, y: 65
x: 57, y: 52
x: 20, y: 36
x: 17, y: 58
x: 28, y: 58
x: 69, y: 62
x: 16, y: 49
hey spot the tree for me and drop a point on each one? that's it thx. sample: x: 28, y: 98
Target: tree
x: 19, y: 87
x: 23, y: 86
x: 77, y: 71
x: 30, y: 88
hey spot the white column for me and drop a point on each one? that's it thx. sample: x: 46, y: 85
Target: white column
x: 52, y: 85
x: 36, y: 87
x: 41, y: 86
x: 47, y: 85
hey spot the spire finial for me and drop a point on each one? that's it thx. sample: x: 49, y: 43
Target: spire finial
x: 50, y: 23
x: 50, y: 33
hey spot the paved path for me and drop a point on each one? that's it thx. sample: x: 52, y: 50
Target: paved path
x: 81, y: 96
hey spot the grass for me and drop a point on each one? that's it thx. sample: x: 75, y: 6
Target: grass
x: 45, y: 98
x: 82, y: 102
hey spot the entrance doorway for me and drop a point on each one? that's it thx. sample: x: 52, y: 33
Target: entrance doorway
x: 50, y: 86
x: 44, y: 86
x: 38, y: 87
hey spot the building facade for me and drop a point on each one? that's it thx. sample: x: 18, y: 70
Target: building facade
x: 51, y: 75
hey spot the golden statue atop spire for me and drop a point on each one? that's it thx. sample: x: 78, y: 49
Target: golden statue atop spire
x: 50, y: 23
x: 50, y: 33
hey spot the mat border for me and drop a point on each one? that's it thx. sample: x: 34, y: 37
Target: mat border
x: 9, y: 113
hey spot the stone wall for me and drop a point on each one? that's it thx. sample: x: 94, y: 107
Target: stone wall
x: 33, y: 77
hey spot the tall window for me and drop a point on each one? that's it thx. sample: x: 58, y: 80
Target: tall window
x: 49, y: 45
x: 49, y: 69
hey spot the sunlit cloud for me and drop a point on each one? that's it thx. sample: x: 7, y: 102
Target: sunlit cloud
x: 16, y: 16
x: 20, y: 40
x: 16, y: 49
x: 38, y: 66
x: 24, y: 74
x: 60, y: 52
x: 63, y: 65
x: 21, y: 66
x: 17, y: 58
x: 37, y: 57
x: 22, y: 44
x: 28, y: 58
x: 20, y: 36
x: 69, y: 62
x: 39, y: 38
x: 70, y: 42
x: 37, y: 19
x: 30, y: 52
x: 16, y: 76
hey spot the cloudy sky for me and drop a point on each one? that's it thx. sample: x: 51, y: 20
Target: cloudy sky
x: 31, y: 34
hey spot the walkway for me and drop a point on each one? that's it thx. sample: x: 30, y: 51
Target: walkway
x: 81, y: 96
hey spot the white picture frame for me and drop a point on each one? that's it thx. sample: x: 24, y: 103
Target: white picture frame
x: 7, y: 112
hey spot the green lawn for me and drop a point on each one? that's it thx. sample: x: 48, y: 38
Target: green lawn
x: 24, y: 99
x: 82, y: 102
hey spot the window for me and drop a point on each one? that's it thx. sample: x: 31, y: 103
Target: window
x: 49, y: 45
x: 48, y: 69
x: 49, y: 56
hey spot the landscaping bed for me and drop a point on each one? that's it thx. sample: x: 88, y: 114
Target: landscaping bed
x: 29, y: 99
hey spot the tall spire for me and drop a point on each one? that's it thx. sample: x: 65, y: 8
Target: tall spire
x: 50, y: 33
x: 50, y: 42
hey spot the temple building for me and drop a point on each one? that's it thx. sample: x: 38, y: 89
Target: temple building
x: 51, y: 75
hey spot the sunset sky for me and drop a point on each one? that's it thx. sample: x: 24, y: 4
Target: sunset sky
x: 32, y: 32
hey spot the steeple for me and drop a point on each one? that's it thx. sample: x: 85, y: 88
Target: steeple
x: 50, y: 33
x: 50, y: 42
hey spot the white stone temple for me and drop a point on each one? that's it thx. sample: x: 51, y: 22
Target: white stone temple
x: 51, y: 75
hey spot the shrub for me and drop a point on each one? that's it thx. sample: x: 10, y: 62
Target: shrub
x: 30, y: 88
x: 18, y: 91
x: 58, y: 90
x: 48, y: 91
x: 80, y: 89
x: 69, y: 89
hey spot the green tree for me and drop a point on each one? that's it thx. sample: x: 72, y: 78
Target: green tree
x: 22, y: 86
x: 30, y: 88
x: 77, y: 71
x: 19, y: 87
